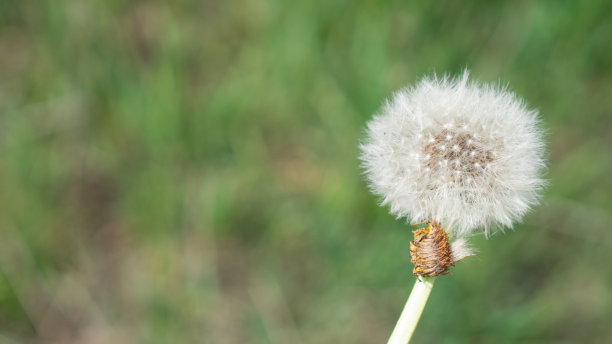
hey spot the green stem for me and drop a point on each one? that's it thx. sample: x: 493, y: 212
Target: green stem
x: 412, y: 311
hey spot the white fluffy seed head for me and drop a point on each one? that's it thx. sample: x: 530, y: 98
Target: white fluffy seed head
x: 467, y: 155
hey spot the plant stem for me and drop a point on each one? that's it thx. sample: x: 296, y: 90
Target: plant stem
x: 412, y: 311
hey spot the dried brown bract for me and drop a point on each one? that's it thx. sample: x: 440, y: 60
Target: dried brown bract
x: 431, y: 252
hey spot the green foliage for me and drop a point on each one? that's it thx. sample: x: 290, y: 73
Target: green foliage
x: 186, y: 171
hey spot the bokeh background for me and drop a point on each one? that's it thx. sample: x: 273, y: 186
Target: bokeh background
x: 187, y: 172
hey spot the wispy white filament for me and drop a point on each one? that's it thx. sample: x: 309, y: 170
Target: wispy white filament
x: 465, y: 154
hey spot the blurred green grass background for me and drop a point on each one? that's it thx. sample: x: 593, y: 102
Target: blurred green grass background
x: 187, y: 172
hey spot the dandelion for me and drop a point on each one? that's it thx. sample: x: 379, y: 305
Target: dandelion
x: 462, y: 156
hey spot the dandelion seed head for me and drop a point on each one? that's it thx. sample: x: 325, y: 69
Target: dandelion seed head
x: 481, y: 148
